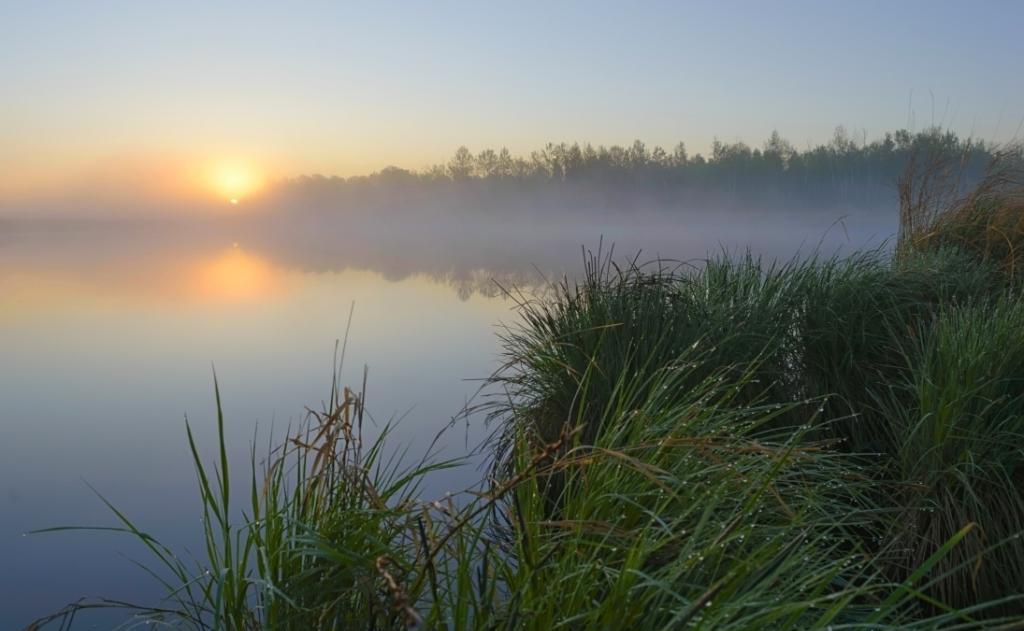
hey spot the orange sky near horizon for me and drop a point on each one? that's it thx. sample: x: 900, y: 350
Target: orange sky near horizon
x: 143, y: 179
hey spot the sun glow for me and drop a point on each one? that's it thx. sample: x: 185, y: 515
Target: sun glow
x: 234, y: 181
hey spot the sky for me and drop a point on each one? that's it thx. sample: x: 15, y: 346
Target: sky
x: 106, y: 95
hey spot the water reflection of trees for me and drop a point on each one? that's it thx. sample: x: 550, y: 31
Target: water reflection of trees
x: 180, y: 260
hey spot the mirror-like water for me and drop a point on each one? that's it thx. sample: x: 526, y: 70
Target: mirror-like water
x: 108, y: 335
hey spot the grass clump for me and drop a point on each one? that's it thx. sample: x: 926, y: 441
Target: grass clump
x: 809, y: 328
x: 320, y: 541
x: 689, y: 511
x: 959, y: 421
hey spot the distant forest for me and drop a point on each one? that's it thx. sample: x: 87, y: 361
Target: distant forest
x: 846, y: 171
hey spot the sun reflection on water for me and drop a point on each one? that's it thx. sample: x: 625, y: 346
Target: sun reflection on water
x: 235, y: 275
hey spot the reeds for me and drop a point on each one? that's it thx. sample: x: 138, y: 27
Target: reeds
x: 985, y: 219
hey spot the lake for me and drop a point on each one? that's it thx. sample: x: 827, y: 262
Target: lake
x: 110, y: 333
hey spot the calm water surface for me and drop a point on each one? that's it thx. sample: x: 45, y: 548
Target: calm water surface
x: 108, y: 339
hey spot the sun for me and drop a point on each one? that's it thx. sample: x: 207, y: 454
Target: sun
x: 234, y: 181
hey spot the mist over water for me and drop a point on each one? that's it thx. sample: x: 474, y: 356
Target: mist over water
x: 109, y: 330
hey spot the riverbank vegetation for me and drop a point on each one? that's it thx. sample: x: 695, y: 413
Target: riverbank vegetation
x: 818, y: 443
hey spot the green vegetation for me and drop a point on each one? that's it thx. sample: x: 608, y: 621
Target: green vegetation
x: 823, y: 443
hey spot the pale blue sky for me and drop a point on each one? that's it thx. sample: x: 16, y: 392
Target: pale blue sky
x: 346, y: 89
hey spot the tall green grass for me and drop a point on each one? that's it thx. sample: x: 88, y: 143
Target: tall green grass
x: 810, y: 328
x: 833, y: 345
x: 958, y: 418
x: 325, y: 523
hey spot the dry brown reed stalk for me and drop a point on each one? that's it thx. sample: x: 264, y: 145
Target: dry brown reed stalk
x: 333, y: 438
x: 985, y: 220
x: 491, y: 498
x: 399, y: 598
x: 931, y: 183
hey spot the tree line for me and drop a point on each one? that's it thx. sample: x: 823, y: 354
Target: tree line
x: 844, y: 170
